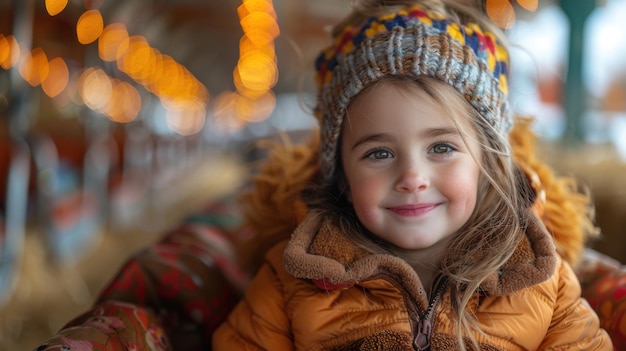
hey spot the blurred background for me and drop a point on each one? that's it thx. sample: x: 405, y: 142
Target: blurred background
x: 119, y: 118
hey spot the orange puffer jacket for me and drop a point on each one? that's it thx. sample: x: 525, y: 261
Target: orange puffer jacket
x: 318, y: 291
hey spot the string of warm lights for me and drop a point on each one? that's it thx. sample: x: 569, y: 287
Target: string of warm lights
x: 256, y: 72
x: 181, y: 94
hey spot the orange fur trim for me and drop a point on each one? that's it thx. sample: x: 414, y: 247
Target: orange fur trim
x: 566, y: 211
x: 272, y: 207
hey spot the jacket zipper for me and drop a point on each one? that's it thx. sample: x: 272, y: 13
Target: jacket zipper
x: 425, y: 324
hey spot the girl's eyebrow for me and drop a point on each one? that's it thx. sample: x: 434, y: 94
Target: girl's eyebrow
x: 436, y: 132
x: 368, y: 138
x: 383, y: 137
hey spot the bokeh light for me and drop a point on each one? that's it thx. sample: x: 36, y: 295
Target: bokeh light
x: 57, y: 79
x: 250, y: 6
x: 137, y: 59
x: 179, y: 91
x: 89, y: 27
x: 257, y: 109
x: 54, y: 7
x: 125, y: 102
x: 502, y: 12
x: 225, y: 114
x: 186, y: 118
x: 117, y: 100
x: 530, y: 5
x: 9, y: 51
x: 256, y: 72
x: 34, y: 67
x: 260, y: 28
x: 95, y: 88
x: 113, y: 42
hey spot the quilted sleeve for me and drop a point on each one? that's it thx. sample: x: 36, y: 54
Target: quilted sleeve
x: 575, y: 326
x: 259, y: 321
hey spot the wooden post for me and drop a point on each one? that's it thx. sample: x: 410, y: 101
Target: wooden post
x: 575, y: 94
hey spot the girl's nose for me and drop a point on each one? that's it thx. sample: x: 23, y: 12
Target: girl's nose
x: 412, y: 180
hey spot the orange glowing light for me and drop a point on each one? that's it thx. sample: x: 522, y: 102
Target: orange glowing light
x: 187, y: 118
x: 242, y: 11
x: 530, y: 5
x: 246, y: 46
x: 57, y: 78
x: 502, y: 12
x: 159, y: 74
x: 255, y: 110
x: 189, y: 89
x: 260, y: 28
x: 125, y: 103
x: 54, y: 7
x: 34, y: 67
x: 223, y: 110
x: 260, y: 6
x: 138, y: 53
x: 250, y: 6
x: 89, y: 27
x: 9, y: 51
x: 245, y: 91
x: 95, y: 88
x: 167, y: 77
x: 144, y: 63
x: 113, y: 42
x: 257, y: 72
x: 68, y: 97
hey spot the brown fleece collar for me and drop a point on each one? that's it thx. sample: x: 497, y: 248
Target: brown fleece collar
x: 319, y: 251
x: 534, y: 261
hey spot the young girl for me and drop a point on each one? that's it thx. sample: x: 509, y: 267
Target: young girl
x: 420, y: 230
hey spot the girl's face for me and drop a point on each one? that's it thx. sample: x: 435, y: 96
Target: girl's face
x: 411, y: 177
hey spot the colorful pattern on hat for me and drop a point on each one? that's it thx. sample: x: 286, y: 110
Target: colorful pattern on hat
x: 410, y: 42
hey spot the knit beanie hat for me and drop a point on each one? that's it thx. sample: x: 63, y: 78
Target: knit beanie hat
x: 413, y: 41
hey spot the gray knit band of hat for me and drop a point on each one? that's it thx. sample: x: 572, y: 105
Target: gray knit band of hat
x: 411, y: 42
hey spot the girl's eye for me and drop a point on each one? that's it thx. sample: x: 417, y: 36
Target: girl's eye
x: 379, y: 154
x: 442, y: 149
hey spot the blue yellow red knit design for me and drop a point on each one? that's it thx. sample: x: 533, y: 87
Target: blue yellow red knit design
x: 484, y: 44
x: 410, y: 42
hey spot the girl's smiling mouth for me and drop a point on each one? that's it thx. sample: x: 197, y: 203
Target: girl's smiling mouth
x: 412, y: 209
